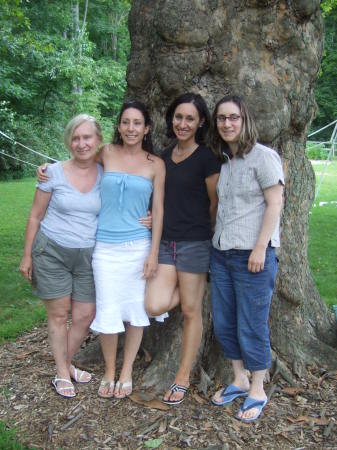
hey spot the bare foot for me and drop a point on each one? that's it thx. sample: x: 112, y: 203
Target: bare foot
x: 247, y: 412
x: 228, y: 395
x: 123, y: 389
x: 176, y: 395
x: 63, y: 387
x: 80, y: 376
x: 106, y: 389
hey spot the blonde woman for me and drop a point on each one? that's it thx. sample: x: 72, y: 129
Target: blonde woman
x: 60, y: 239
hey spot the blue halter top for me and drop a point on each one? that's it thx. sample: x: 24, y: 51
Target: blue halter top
x: 125, y: 199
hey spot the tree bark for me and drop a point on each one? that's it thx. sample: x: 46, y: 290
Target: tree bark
x: 268, y: 51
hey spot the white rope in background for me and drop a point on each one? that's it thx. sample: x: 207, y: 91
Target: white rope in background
x: 332, y: 142
x: 2, y: 152
x: 14, y: 142
x: 323, y: 173
x: 323, y: 128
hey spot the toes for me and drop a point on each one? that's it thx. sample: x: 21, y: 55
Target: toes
x: 250, y: 413
x: 106, y: 389
x: 247, y: 414
x: 167, y: 395
x: 173, y: 396
x: 217, y: 396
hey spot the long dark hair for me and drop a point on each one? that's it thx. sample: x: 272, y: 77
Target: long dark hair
x: 203, y: 112
x: 248, y: 135
x: 147, y: 139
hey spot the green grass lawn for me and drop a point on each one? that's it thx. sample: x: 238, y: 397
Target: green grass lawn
x: 8, y: 439
x: 323, y: 234
x: 19, y: 309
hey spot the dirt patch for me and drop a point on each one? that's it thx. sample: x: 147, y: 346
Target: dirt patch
x: 294, y: 418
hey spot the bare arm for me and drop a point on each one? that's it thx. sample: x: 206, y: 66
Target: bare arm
x: 105, y: 153
x: 40, y: 204
x: 151, y: 263
x: 273, y: 198
x: 211, y: 183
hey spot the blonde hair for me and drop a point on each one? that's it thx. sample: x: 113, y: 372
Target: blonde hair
x: 248, y: 135
x: 76, y: 122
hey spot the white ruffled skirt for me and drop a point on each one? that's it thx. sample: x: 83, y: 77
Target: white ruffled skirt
x: 120, y: 288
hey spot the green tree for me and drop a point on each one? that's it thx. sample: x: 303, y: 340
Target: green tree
x: 56, y: 62
x: 326, y: 89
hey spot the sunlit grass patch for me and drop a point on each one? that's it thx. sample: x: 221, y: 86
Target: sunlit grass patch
x: 20, y: 310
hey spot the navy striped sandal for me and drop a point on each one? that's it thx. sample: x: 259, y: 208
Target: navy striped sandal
x: 176, y: 388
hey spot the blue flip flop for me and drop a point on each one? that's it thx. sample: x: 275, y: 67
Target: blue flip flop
x: 229, y: 394
x: 251, y: 403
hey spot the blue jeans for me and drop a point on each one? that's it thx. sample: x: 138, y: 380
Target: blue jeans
x: 240, y: 306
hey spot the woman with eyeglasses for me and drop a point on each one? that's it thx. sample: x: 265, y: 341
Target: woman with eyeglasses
x: 243, y: 260
x: 192, y: 172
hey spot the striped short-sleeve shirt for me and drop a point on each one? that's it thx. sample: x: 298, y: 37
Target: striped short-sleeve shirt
x: 241, y: 204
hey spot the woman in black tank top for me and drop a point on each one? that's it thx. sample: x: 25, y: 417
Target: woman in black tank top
x: 190, y: 203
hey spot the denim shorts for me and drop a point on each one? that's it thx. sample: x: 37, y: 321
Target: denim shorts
x: 60, y: 271
x: 187, y: 256
x: 240, y: 306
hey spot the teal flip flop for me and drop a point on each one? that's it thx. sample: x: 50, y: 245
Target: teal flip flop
x: 251, y: 403
x: 228, y: 395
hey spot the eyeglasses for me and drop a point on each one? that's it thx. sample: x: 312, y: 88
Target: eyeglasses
x: 230, y: 118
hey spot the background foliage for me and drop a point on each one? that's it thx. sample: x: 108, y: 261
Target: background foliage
x: 59, y: 58
x: 326, y: 88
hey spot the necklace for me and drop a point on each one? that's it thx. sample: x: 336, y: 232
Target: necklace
x: 181, y: 152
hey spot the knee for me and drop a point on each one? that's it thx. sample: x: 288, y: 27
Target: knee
x: 153, y: 310
x: 83, y: 318
x: 191, y: 312
x: 58, y: 319
x: 154, y: 307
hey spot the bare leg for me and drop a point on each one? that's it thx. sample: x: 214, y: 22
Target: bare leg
x: 240, y: 379
x: 175, y: 299
x: 82, y: 314
x: 191, y: 289
x: 133, y: 339
x: 161, y: 291
x: 57, y: 312
x: 109, y: 348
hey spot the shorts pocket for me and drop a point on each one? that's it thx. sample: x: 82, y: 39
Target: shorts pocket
x: 39, y: 244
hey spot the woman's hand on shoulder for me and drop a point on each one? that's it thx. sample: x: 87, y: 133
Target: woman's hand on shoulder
x: 41, y: 174
x: 26, y: 267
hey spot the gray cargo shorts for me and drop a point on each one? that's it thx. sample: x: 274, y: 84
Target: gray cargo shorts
x: 60, y: 271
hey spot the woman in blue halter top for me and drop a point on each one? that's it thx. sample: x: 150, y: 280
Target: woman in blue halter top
x: 126, y: 253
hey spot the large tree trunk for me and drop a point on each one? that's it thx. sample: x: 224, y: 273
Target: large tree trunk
x: 269, y: 52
